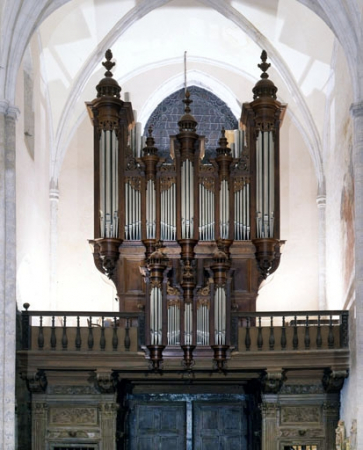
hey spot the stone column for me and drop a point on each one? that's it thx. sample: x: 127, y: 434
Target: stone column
x: 54, y: 199
x: 321, y: 202
x: 108, y: 425
x: 8, y: 116
x: 357, y: 359
x: 269, y: 409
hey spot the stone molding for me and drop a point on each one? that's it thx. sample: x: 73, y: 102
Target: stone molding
x: 8, y: 109
x: 356, y: 109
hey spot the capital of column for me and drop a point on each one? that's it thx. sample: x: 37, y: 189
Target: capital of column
x: 321, y: 201
x: 356, y: 109
x: 9, y: 110
x: 53, y: 191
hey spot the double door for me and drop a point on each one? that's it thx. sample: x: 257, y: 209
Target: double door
x: 187, y: 422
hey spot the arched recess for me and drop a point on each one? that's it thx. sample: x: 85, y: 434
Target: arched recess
x: 210, y: 111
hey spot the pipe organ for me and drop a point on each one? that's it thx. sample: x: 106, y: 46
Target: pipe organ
x: 185, y: 238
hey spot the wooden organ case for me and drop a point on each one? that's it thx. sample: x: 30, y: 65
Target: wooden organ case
x: 186, y: 238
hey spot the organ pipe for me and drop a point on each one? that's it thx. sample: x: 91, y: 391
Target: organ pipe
x: 156, y: 316
x: 187, y: 199
x: 108, y: 184
x: 265, y: 185
x: 220, y: 316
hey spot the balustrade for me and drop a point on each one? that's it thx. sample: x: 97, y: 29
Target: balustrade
x: 123, y: 332
x: 80, y: 330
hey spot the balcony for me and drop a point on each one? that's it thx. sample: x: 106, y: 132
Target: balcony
x: 260, y: 341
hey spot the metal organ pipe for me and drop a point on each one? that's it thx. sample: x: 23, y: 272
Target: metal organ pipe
x: 188, y: 324
x: 220, y: 316
x: 168, y: 214
x: 108, y: 184
x: 242, y: 211
x: 150, y: 210
x: 156, y: 316
x: 132, y: 213
x: 187, y: 194
x: 203, y: 325
x: 265, y: 185
x: 224, y: 210
x: 206, y: 214
x: 173, y: 325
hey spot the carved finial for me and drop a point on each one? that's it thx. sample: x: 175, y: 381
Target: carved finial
x: 150, y: 148
x: 26, y: 306
x: 223, y: 144
x: 108, y: 64
x: 264, y: 66
x: 187, y: 102
x: 264, y: 87
x: 187, y: 122
x: 108, y: 86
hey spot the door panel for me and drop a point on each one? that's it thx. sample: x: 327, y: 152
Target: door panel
x: 159, y: 426
x: 220, y: 426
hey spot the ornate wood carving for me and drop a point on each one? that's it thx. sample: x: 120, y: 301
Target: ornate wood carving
x: 73, y: 416
x: 300, y: 414
x: 272, y: 382
x: 333, y: 380
x: 36, y: 381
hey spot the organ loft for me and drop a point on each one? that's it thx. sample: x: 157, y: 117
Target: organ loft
x: 187, y: 237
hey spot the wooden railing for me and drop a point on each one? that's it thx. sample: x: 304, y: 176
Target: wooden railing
x: 82, y: 330
x: 122, y: 331
x: 287, y: 330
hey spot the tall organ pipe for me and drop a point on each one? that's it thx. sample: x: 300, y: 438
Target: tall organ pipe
x: 220, y: 316
x: 108, y: 184
x: 265, y: 194
x: 187, y: 199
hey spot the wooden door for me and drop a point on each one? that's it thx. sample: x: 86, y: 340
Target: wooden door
x: 158, y: 426
x: 187, y: 422
x: 219, y: 426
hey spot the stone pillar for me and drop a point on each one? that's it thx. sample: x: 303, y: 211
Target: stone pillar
x: 8, y: 116
x: 54, y: 199
x: 39, y: 425
x: 321, y: 202
x: 108, y: 425
x: 357, y: 359
x: 269, y: 409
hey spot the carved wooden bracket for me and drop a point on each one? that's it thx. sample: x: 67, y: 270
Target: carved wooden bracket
x: 271, y: 382
x: 36, y: 381
x: 105, y: 382
x: 333, y: 380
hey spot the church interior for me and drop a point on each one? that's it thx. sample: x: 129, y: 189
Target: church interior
x: 181, y: 203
